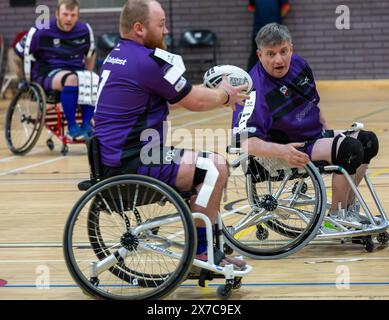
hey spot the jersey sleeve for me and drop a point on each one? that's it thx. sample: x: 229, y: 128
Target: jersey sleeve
x: 317, y: 96
x: 159, y: 82
x: 34, y: 45
x: 252, y: 120
x: 92, y: 44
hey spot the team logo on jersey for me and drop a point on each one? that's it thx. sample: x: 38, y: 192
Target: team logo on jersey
x: 303, y: 82
x: 285, y: 91
x: 56, y: 42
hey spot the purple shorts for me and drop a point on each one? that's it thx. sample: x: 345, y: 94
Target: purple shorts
x: 47, y: 81
x: 161, y: 163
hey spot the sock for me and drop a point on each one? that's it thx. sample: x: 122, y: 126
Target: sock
x: 201, y: 240
x: 69, y: 96
x: 87, y: 114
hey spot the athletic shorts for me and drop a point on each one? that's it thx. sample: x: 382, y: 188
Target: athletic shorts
x: 46, y: 81
x: 161, y: 163
x: 308, y: 145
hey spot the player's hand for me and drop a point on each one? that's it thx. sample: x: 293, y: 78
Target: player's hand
x: 294, y: 157
x: 236, y: 95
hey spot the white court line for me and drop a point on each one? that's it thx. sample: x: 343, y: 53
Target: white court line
x: 39, y: 150
x: 31, y: 166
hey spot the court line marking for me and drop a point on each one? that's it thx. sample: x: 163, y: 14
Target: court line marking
x: 271, y: 284
x: 370, y: 114
x: 31, y: 166
x: 40, y: 150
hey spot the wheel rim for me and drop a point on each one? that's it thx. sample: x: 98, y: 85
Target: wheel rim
x: 288, y: 231
x: 143, y: 274
x: 25, y: 118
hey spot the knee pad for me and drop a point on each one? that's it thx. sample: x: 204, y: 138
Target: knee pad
x: 370, y: 145
x: 63, y: 80
x: 350, y: 154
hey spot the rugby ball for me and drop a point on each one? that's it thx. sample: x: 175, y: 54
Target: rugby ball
x: 235, y: 75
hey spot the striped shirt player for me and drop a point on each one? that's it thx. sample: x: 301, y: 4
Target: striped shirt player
x: 285, y: 109
x: 53, y: 50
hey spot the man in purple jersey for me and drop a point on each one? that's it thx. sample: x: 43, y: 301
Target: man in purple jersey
x: 57, y: 53
x: 282, y: 118
x: 138, y: 79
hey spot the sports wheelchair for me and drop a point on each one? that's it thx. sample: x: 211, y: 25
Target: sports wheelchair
x: 30, y: 110
x: 134, y: 237
x: 276, y: 206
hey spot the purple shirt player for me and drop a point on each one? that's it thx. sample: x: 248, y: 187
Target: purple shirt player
x: 133, y: 96
x: 286, y: 109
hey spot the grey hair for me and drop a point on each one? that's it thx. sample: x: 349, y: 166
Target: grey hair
x: 273, y: 34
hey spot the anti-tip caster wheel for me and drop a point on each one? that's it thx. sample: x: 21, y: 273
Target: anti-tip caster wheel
x: 50, y: 144
x: 237, y: 283
x: 368, y: 243
x: 383, y: 238
x: 262, y: 233
x: 224, y: 292
x: 64, y: 150
x: 227, y: 249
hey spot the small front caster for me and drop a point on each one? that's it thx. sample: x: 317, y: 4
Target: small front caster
x: 237, y: 283
x: 383, y: 238
x: 64, y: 149
x: 224, y: 292
x: 227, y: 249
x: 50, y: 144
x: 368, y: 243
x: 262, y: 233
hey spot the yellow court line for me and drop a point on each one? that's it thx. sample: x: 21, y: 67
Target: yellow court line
x: 244, y: 232
x: 375, y: 174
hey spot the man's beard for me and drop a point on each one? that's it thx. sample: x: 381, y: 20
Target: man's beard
x: 152, y: 43
x: 63, y: 27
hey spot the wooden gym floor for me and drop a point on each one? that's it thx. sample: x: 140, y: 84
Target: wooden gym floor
x: 38, y: 190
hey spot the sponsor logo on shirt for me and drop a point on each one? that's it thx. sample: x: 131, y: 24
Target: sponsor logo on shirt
x: 236, y: 130
x: 285, y: 91
x: 180, y: 84
x: 79, y: 41
x: 56, y: 42
x: 115, y: 61
x: 301, y: 115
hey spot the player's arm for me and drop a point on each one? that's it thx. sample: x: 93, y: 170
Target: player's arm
x: 201, y: 98
x: 260, y: 148
x: 90, y: 62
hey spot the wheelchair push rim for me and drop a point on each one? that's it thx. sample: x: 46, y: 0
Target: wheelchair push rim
x: 25, y: 119
x: 276, y: 219
x: 129, y: 203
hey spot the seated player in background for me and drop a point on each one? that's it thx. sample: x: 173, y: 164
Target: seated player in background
x: 58, y: 52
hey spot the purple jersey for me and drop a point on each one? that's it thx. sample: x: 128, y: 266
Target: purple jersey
x: 133, y: 96
x: 285, y: 110
x: 55, y: 49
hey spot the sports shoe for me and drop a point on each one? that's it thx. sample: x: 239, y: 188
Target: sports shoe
x: 238, y: 263
x: 86, y: 130
x: 75, y: 133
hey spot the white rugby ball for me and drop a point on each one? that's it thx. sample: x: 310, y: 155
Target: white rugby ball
x: 235, y: 75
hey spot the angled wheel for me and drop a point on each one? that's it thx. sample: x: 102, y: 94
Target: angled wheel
x: 272, y: 210
x: 110, y: 245
x: 25, y: 118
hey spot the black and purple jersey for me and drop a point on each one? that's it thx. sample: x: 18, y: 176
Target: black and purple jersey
x: 54, y: 49
x: 133, y: 95
x: 284, y: 110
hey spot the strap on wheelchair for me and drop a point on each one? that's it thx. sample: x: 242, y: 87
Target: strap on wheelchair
x: 206, y: 274
x: 94, y: 159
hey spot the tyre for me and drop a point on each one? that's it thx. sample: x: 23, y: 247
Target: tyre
x: 286, y: 204
x: 101, y: 225
x: 25, y: 119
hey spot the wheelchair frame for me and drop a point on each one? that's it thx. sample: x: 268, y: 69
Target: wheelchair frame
x: 97, y: 185
x: 51, y: 117
x: 342, y: 228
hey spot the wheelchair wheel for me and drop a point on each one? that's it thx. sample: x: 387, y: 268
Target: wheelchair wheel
x: 25, y: 119
x: 272, y: 210
x: 129, y: 237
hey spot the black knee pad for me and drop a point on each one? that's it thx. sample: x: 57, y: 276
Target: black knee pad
x: 63, y: 80
x: 350, y: 154
x: 370, y: 145
x: 199, y: 175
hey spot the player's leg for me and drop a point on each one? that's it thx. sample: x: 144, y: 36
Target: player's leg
x: 67, y: 82
x: 343, y: 151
